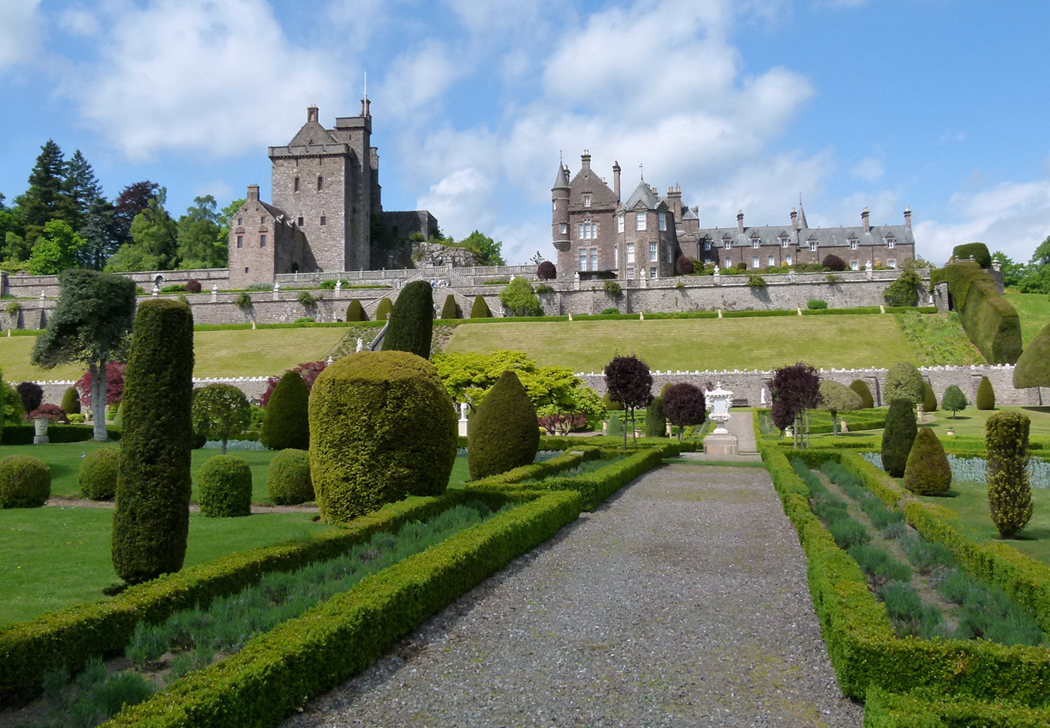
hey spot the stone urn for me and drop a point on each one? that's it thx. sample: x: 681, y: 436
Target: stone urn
x: 950, y: 432
x: 40, y: 430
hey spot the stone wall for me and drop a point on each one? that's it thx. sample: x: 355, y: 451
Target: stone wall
x: 253, y: 387
x: 21, y: 286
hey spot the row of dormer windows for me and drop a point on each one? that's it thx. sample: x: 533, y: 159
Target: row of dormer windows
x: 784, y: 243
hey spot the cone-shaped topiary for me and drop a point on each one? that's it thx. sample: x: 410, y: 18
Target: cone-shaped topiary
x: 286, y: 420
x: 861, y: 387
x: 98, y: 474
x: 927, y: 471
x: 898, y: 437
x: 25, y: 482
x: 480, y: 309
x: 152, y: 517
x: 506, y: 433
x: 384, y: 309
x: 1009, y: 495
x: 412, y: 322
x: 929, y: 399
x: 985, y: 395
x: 355, y: 312
x: 451, y: 309
x: 655, y: 422
x: 225, y: 483
x: 71, y: 401
x: 382, y: 427
x: 288, y: 479
x: 1033, y: 368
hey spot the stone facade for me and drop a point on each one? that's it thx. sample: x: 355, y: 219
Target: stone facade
x: 263, y: 242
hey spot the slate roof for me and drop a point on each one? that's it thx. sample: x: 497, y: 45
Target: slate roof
x: 562, y: 180
x: 312, y: 133
x: 643, y: 194
x: 825, y: 237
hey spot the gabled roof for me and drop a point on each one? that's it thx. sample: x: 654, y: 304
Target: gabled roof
x: 312, y: 133
x: 644, y: 195
x: 689, y: 214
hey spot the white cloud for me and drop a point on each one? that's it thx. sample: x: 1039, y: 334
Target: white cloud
x: 221, y: 77
x: 869, y: 169
x: 19, y: 31
x: 77, y: 21
x: 460, y: 202
x: 416, y: 80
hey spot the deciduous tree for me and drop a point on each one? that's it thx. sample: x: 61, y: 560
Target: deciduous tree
x: 628, y: 381
x: 684, y: 405
x: 220, y: 411
x: 837, y: 398
x: 798, y: 387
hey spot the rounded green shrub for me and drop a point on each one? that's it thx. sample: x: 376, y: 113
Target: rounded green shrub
x: 903, y: 381
x: 480, y: 309
x: 927, y: 471
x: 985, y: 399
x: 451, y: 309
x: 25, y: 482
x: 98, y: 474
x: 286, y: 418
x: 861, y: 387
x: 412, y: 322
x: 1009, y: 494
x: 11, y: 401
x: 977, y: 251
x: 71, y: 401
x: 611, y: 404
x: 1033, y: 368
x: 225, y: 483
x: 953, y: 400
x: 152, y: 517
x: 897, y: 438
x: 506, y: 433
x: 611, y: 311
x: 288, y: 479
x: 382, y: 427
x: 384, y: 309
x: 355, y: 312
x: 520, y: 300
x: 929, y: 399
x: 655, y: 422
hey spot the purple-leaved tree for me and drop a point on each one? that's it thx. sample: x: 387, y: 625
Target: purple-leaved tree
x: 628, y: 381
x: 684, y: 405
x: 798, y: 387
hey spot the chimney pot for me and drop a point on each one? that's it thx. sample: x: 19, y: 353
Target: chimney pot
x: 907, y: 218
x: 740, y: 221
x: 585, y: 159
x: 794, y: 219
x: 253, y: 192
x: 616, y: 180
x: 311, y: 113
x: 865, y: 221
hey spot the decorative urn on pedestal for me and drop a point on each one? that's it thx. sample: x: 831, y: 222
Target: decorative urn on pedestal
x: 720, y: 442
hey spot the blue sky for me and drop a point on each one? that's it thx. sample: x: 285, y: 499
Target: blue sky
x: 940, y: 105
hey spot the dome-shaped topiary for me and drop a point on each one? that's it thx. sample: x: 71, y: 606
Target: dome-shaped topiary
x: 505, y: 433
x: 611, y: 404
x: 451, y: 309
x: 288, y: 479
x: 384, y: 309
x: 904, y: 381
x: 355, y: 312
x: 985, y: 398
x: 927, y: 471
x: 25, y: 482
x: 98, y: 474
x: 382, y: 427
x: 480, y: 309
x: 929, y: 399
x: 897, y: 438
x: 71, y: 401
x: 225, y: 483
x: 286, y: 420
x: 412, y: 322
x: 1033, y: 368
x: 655, y: 422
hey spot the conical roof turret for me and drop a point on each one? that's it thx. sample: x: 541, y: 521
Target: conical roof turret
x: 562, y: 180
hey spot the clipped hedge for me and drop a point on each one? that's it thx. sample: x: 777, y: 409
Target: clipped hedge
x: 288, y: 478
x: 25, y: 482
x: 286, y: 420
x: 985, y: 399
x: 977, y: 251
x: 71, y: 401
x: 927, y: 471
x: 988, y: 319
x: 924, y: 710
x: 225, y: 487
x: 412, y: 322
x: 861, y: 387
x: 384, y: 309
x: 505, y: 433
x: 355, y: 311
x: 23, y: 434
x: 480, y: 309
x: 539, y: 470
x: 97, y: 476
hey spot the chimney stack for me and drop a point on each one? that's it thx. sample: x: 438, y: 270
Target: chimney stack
x: 740, y: 221
x: 674, y: 199
x: 907, y: 218
x: 616, y: 180
x: 311, y: 113
x: 794, y: 220
x: 864, y: 221
x: 253, y: 192
x: 585, y: 158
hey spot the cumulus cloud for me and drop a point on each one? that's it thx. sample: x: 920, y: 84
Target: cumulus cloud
x: 869, y: 169
x: 460, y: 201
x: 416, y: 80
x: 19, y: 31
x: 78, y: 21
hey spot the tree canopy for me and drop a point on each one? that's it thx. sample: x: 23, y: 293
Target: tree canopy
x: 629, y: 382
x: 795, y: 390
x: 220, y: 411
x: 837, y: 398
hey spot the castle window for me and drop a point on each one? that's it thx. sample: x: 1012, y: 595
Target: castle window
x: 320, y: 183
x: 652, y: 253
x: 324, y: 220
x: 240, y: 241
x: 565, y: 228
x: 812, y: 246
x: 787, y: 259
x: 890, y: 242
x: 594, y: 259
x: 663, y: 221
x: 670, y: 253
x: 852, y: 244
x: 555, y: 205
x: 639, y: 221
x: 300, y: 221
x: 583, y: 258
x: 616, y: 257
x: 652, y: 272
x: 630, y: 274
x: 586, y: 200
x: 262, y: 220
x: 754, y: 262
x: 754, y: 243
x: 707, y: 245
x: 770, y: 262
x: 296, y: 184
x: 262, y: 241
x: 579, y: 231
x: 246, y: 269
x: 240, y: 221
x: 619, y: 223
x: 630, y: 253
x: 727, y: 244
x: 729, y: 263
x: 891, y: 263
x: 783, y: 242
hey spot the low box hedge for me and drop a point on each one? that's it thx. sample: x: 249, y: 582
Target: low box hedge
x: 539, y: 470
x: 919, y: 710
x: 276, y: 673
x: 57, y: 434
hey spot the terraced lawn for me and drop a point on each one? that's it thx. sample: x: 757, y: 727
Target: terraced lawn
x: 1034, y: 312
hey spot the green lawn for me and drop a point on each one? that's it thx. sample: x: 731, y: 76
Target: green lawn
x: 231, y: 353
x: 970, y: 422
x: 55, y: 557
x: 1034, y: 311
x: 689, y: 344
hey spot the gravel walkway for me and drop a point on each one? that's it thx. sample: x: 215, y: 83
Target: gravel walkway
x: 681, y: 602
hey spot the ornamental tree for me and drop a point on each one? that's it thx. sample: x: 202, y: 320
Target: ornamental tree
x: 520, y: 299
x: 91, y: 324
x: 833, y: 262
x: 546, y: 271
x: 1009, y: 494
x: 903, y: 381
x: 32, y: 395
x: 798, y: 386
x: 953, y: 400
x: 114, y: 384
x: 837, y: 398
x: 684, y: 267
x: 684, y: 405
x: 220, y: 411
x: 628, y: 381
x: 308, y: 370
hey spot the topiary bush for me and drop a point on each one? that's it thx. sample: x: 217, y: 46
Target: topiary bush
x: 412, y: 322
x: 929, y: 399
x: 904, y: 381
x: 505, y: 433
x: 904, y: 291
x: 288, y: 479
x: 25, y: 482
x: 816, y: 304
x: 1009, y: 495
x: 451, y: 309
x: 480, y: 309
x: 98, y: 474
x: 71, y: 401
x: 897, y: 438
x: 985, y: 398
x: 655, y: 422
x: 986, y: 316
x: 32, y: 395
x: 355, y: 311
x: 152, y: 517
x: 193, y: 286
x: 384, y: 309
x: 977, y: 251
x: 382, y: 427
x: 286, y: 417
x: 611, y: 404
x: 861, y: 387
x: 927, y: 471
x: 833, y: 262
x: 225, y: 487
x: 1033, y: 368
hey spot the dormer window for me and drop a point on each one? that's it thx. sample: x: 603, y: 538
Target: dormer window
x: 890, y: 242
x: 812, y: 246
x: 852, y: 244
x: 707, y: 245
x: 586, y: 200
x: 728, y: 243
x: 754, y: 243
x: 783, y: 242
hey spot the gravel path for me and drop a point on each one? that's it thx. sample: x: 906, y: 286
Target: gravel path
x: 680, y: 602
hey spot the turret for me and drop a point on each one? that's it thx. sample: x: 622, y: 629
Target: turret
x: 560, y: 209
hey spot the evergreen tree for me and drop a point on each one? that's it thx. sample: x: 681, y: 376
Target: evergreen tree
x: 82, y: 188
x: 101, y: 235
x: 46, y: 198
x: 199, y: 233
x: 412, y: 322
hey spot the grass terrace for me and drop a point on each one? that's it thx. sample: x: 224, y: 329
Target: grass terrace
x: 1034, y: 311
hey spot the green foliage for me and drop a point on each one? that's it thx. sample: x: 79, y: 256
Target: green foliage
x: 988, y: 319
x: 286, y: 421
x: 755, y: 281
x: 816, y: 304
x: 243, y: 300
x: 939, y: 340
x: 927, y: 471
x: 505, y: 433
x: 904, y: 381
x: 11, y: 411
x: 151, y: 521
x: 861, y: 388
x: 201, y: 241
x: 25, y: 482
x: 412, y: 322
x: 612, y: 288
x: 382, y: 427
x: 451, y: 309
x: 929, y: 400
x: 985, y: 398
x: 519, y: 298
x: 655, y: 422
x: 485, y: 249
x: 98, y: 474
x: 355, y: 311
x: 71, y: 401
x: 307, y: 299
x: 611, y: 404
x: 13, y: 308
x: 469, y: 376
x: 544, y: 288
x: 56, y: 251
x: 480, y: 309
x: 953, y: 400
x: 904, y: 290
x: 225, y: 487
x: 220, y: 412
x: 288, y: 479
x: 94, y: 696
x: 977, y: 251
x: 384, y: 309
x: 154, y: 234
x: 610, y: 311
x: 836, y: 398
x: 1033, y: 368
x: 1009, y: 496
x: 897, y: 438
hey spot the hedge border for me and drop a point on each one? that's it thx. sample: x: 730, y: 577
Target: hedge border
x: 920, y: 710
x: 656, y: 316
x: 569, y: 459
x: 57, y: 434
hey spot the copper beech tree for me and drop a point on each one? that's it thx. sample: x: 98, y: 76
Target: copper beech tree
x: 629, y: 382
x: 795, y: 390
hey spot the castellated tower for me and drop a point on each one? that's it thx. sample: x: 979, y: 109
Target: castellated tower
x: 560, y: 210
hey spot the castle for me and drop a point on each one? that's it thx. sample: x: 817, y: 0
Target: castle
x: 597, y: 236
x: 327, y: 211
